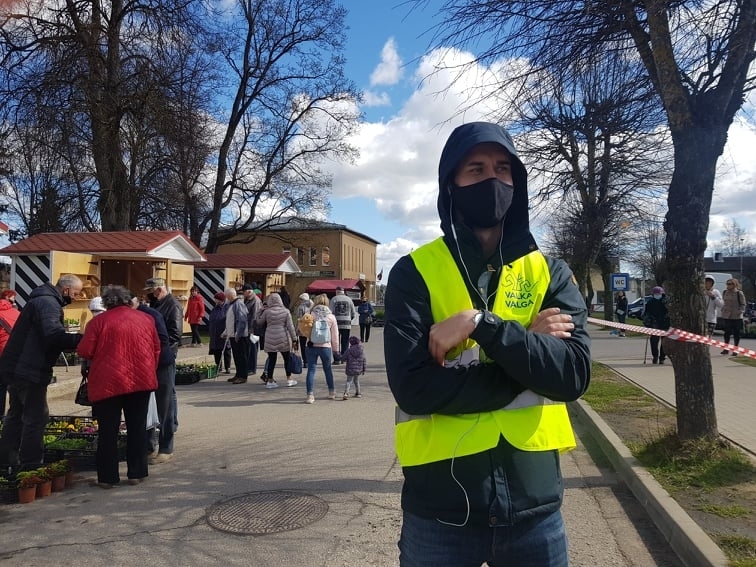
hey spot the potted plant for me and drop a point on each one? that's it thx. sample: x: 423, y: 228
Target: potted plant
x: 57, y: 471
x: 69, y: 474
x: 44, y: 488
x: 71, y: 325
x: 27, y: 486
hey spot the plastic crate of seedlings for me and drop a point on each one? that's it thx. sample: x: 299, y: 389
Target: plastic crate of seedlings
x: 60, y: 424
x: 75, y: 438
x: 192, y: 373
x: 8, y: 490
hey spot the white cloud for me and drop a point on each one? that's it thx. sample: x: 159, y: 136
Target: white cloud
x: 398, y: 161
x: 371, y: 98
x: 397, y: 168
x: 735, y: 184
x: 389, y: 70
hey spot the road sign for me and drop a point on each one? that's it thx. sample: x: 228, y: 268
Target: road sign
x: 620, y: 282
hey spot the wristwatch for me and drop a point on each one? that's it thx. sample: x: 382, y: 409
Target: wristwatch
x: 476, y: 318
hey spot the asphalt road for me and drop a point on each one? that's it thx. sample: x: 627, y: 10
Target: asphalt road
x: 243, y: 441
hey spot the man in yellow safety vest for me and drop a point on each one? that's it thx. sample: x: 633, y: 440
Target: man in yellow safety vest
x: 485, y: 341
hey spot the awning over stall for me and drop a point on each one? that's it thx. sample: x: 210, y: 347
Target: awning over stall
x: 329, y: 286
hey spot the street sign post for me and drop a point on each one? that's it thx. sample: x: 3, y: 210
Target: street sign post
x: 620, y: 282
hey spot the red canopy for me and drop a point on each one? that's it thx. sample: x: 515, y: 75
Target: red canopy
x: 329, y: 286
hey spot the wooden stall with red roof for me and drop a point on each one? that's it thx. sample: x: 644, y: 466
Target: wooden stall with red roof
x: 126, y: 258
x: 220, y: 271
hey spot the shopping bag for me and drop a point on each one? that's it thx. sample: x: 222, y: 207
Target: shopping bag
x: 82, y: 394
x: 295, y: 363
x: 153, y: 420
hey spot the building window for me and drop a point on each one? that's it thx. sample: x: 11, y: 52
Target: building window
x: 325, y: 257
x: 313, y: 256
x: 300, y: 257
x: 286, y: 250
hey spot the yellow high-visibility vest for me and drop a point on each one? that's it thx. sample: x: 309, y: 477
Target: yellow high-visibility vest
x: 530, y: 422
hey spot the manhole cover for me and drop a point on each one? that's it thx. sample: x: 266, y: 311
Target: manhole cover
x: 266, y: 512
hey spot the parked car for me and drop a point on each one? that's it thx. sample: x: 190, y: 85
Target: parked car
x: 635, y: 308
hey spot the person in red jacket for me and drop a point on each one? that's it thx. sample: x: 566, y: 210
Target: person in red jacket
x: 124, y: 348
x: 195, y: 313
x: 8, y: 316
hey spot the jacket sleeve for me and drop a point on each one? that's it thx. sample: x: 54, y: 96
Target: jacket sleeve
x: 556, y: 368
x: 53, y: 332
x: 88, y: 344
x: 174, y: 324
x: 559, y: 369
x: 718, y: 301
x: 333, y: 326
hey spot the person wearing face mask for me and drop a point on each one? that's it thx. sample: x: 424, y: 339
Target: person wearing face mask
x: 26, y: 367
x: 656, y: 316
x: 484, y: 341
x: 168, y: 306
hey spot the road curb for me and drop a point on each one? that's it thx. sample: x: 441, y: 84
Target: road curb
x: 692, y: 545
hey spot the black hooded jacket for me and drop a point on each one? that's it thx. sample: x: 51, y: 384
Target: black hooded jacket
x: 37, y: 339
x: 503, y: 485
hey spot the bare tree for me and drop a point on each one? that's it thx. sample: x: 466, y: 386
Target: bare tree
x: 100, y: 55
x: 291, y: 107
x: 698, y: 58
x: 735, y: 241
x: 648, y: 251
x: 592, y: 134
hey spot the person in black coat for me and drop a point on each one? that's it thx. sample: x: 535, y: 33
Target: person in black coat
x: 620, y: 309
x: 168, y: 306
x: 285, y: 297
x: 656, y: 316
x: 36, y: 342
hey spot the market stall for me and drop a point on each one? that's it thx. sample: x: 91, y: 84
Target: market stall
x: 126, y: 258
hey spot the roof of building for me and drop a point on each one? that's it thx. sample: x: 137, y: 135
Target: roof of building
x: 250, y: 262
x: 300, y: 224
x: 157, y: 244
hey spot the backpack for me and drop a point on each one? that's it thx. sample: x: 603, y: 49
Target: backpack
x: 304, y: 324
x: 320, y: 332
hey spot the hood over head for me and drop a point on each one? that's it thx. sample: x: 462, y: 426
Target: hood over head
x: 320, y: 310
x: 459, y: 144
x: 274, y: 300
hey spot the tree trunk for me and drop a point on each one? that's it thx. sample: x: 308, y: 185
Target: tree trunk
x: 687, y: 222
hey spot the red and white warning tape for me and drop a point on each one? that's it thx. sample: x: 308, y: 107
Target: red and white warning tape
x: 675, y: 335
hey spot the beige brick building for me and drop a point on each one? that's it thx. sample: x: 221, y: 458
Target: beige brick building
x: 322, y: 250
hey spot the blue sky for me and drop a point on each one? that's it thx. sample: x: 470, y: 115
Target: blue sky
x: 390, y: 193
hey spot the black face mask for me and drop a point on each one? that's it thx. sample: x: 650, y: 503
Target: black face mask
x: 151, y: 297
x: 483, y: 204
x: 67, y: 300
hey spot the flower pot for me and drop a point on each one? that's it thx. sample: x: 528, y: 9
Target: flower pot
x: 44, y: 489
x: 27, y: 494
x: 58, y: 483
x: 69, y: 479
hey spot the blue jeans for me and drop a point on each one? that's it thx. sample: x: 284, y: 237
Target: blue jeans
x: 324, y: 353
x: 537, y: 543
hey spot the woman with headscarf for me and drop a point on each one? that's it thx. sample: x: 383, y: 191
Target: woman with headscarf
x: 280, y: 336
